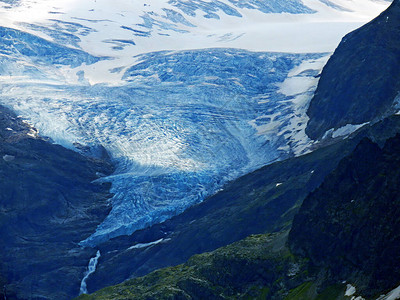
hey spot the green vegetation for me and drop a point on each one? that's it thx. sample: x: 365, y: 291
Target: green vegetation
x: 249, y: 269
x: 257, y: 267
x: 333, y: 292
x: 309, y: 291
x: 305, y: 291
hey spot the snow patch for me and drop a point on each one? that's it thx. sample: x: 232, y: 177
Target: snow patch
x: 343, y: 131
x: 300, y: 86
x: 8, y: 157
x: 347, y: 129
x: 145, y: 245
x: 350, y: 290
x: 392, y: 295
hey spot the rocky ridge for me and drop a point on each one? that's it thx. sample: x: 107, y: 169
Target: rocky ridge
x: 367, y: 89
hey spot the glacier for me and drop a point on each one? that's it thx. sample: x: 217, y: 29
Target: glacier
x: 184, y: 95
x: 179, y: 128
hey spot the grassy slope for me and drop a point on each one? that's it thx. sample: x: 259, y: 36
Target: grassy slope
x: 250, y: 268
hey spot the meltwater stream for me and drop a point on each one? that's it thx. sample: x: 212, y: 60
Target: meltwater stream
x: 90, y: 270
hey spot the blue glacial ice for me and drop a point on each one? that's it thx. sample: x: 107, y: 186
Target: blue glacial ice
x: 179, y: 126
x: 62, y: 33
x: 68, y: 26
x: 190, y: 8
x: 19, y: 44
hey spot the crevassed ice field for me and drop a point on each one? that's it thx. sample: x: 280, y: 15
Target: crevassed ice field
x: 184, y: 95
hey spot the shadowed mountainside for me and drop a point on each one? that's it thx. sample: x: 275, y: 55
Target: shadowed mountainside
x: 353, y: 219
x: 361, y: 80
x: 47, y: 205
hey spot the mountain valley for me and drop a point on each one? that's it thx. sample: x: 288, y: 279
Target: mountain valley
x: 185, y: 150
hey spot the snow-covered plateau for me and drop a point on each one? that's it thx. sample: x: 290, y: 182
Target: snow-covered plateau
x: 184, y: 94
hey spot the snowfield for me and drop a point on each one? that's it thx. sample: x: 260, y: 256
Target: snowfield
x: 122, y: 29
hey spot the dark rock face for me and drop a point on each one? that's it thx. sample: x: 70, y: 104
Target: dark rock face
x: 48, y: 204
x: 361, y: 80
x: 351, y: 224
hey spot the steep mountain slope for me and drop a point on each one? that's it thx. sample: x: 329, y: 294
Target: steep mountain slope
x: 48, y: 203
x: 355, y: 214
x: 368, y: 88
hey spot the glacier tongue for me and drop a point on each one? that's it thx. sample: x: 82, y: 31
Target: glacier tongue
x: 181, y: 125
